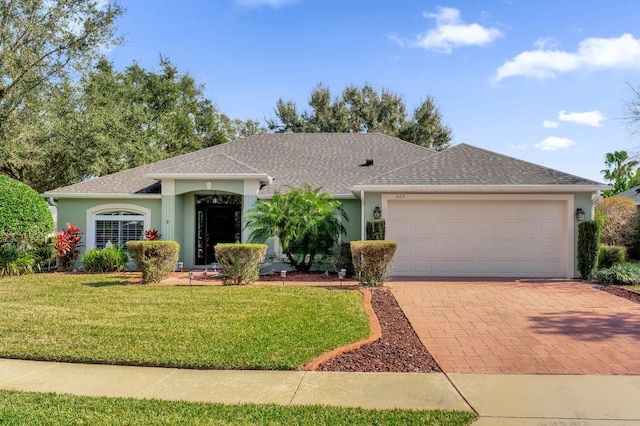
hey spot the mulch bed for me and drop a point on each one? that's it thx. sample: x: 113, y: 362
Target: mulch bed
x: 399, y: 350
x: 621, y: 292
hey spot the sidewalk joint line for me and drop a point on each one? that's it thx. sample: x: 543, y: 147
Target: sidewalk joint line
x: 464, y: 398
x: 148, y: 388
x: 295, y: 391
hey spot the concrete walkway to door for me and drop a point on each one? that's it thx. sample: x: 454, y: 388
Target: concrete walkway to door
x: 522, y: 326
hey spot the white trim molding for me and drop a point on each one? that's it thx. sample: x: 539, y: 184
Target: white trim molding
x: 90, y: 231
x: 479, y: 189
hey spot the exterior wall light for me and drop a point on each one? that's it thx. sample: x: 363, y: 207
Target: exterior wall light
x: 580, y: 214
x: 377, y: 212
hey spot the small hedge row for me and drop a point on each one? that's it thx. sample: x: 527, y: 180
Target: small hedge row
x: 108, y: 259
x: 240, y: 263
x: 155, y: 259
x: 373, y: 260
x: 376, y: 229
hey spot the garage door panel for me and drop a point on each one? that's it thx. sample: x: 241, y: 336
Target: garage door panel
x: 479, y: 238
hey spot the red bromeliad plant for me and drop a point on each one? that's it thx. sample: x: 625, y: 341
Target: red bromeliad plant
x: 68, y: 246
x: 152, y: 235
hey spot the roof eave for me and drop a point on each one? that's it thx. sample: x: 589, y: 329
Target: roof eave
x: 210, y: 176
x: 438, y: 189
x: 101, y: 195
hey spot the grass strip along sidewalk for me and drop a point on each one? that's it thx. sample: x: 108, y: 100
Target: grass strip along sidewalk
x: 27, y: 408
x: 98, y: 319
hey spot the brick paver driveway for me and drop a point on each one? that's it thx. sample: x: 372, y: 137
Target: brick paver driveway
x: 523, y: 326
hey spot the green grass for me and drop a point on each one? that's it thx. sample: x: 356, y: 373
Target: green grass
x: 95, y: 318
x: 26, y: 408
x: 633, y: 287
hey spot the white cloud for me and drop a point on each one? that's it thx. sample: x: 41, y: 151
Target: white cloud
x: 259, y: 3
x: 593, y: 53
x: 545, y: 43
x: 590, y: 118
x: 550, y: 124
x: 451, y: 32
x: 553, y: 143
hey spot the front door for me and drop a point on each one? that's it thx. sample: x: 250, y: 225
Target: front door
x: 215, y: 223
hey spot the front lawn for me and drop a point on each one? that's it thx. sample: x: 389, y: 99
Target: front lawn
x: 96, y: 318
x: 23, y: 408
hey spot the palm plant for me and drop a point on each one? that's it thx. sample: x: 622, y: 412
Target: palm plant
x: 621, y: 171
x: 307, y: 222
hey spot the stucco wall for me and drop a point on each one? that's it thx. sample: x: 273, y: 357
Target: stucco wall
x: 74, y: 210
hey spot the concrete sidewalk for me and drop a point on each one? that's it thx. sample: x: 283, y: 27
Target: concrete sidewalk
x: 499, y: 399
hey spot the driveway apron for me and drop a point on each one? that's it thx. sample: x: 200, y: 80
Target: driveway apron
x: 522, y: 326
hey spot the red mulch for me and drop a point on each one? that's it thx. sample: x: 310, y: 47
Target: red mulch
x: 399, y: 350
x: 621, y: 292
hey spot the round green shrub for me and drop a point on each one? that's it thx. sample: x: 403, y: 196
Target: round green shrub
x: 373, y: 259
x: 240, y: 263
x: 155, y: 259
x: 25, y: 219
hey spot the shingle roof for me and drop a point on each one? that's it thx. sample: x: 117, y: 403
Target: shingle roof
x: 328, y: 160
x: 468, y: 165
x: 633, y: 193
x: 334, y: 162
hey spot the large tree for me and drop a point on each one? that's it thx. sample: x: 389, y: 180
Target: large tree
x: 363, y: 109
x: 43, y: 43
x: 113, y: 120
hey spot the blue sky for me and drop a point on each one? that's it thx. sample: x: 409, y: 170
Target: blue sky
x: 545, y: 81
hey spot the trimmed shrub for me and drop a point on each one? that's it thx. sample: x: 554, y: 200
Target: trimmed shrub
x: 15, y: 262
x: 108, y: 259
x: 376, y: 229
x: 373, y: 259
x: 68, y: 246
x: 240, y: 263
x: 588, y: 245
x: 155, y: 259
x: 25, y: 219
x: 626, y: 274
x: 611, y: 255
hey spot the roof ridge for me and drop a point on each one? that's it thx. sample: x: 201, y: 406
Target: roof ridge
x: 242, y: 163
x: 432, y: 154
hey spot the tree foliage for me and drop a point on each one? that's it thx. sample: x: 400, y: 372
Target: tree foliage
x: 114, y: 120
x: 25, y: 219
x: 617, y: 220
x: 307, y: 222
x: 363, y: 110
x: 621, y: 171
x: 43, y: 44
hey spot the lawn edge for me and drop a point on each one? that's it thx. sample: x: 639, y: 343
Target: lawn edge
x: 376, y: 333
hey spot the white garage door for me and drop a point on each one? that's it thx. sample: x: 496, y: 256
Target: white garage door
x: 479, y: 238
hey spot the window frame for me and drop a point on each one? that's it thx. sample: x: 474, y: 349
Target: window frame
x: 96, y: 213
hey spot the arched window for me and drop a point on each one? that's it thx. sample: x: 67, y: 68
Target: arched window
x: 115, y: 225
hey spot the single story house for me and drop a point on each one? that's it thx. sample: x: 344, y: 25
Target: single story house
x: 633, y: 193
x: 463, y: 211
